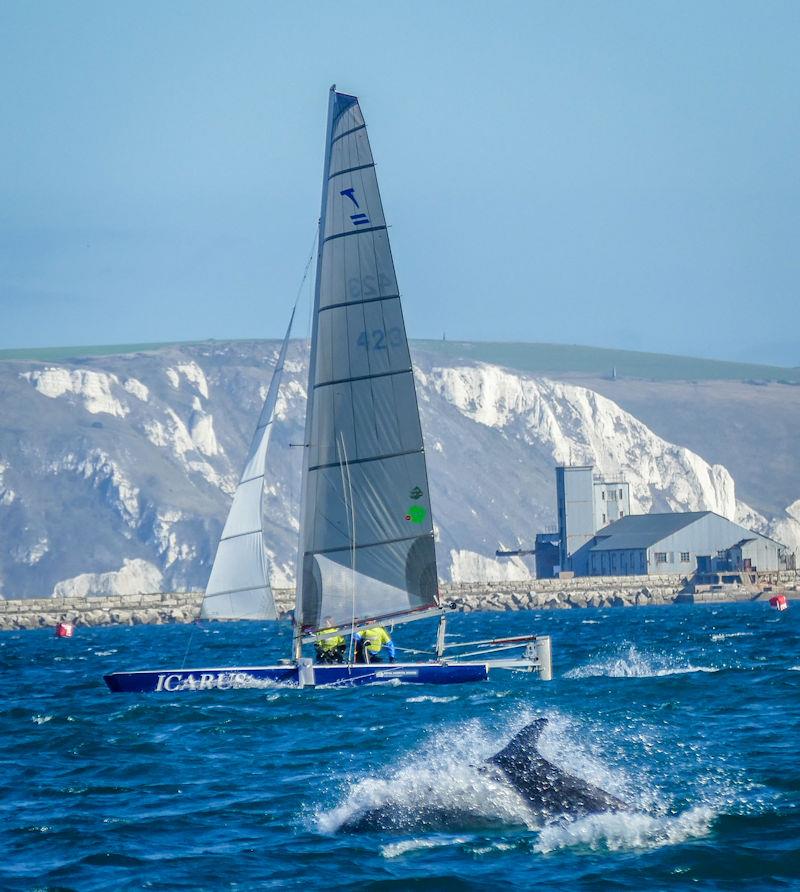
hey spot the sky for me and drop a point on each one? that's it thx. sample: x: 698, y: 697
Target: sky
x: 617, y: 174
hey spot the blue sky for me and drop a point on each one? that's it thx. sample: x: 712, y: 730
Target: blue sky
x: 620, y: 174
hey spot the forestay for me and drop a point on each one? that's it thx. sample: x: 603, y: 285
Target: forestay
x: 239, y: 586
x: 367, y: 547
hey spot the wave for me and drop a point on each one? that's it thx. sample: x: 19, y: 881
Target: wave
x: 440, y: 786
x: 626, y: 830
x: 429, y: 698
x: 444, y: 785
x: 443, y: 789
x: 395, y: 849
x: 722, y: 636
x: 633, y: 664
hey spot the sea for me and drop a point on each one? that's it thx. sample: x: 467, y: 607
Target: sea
x: 690, y: 714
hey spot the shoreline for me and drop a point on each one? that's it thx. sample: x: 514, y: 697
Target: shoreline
x: 529, y: 594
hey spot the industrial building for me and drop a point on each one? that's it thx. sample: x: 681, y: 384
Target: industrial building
x: 598, y: 536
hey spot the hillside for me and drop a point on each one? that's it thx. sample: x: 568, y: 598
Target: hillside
x: 551, y: 359
x: 116, y: 470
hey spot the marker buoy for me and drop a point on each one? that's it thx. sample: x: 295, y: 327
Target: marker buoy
x: 778, y: 602
x: 64, y: 630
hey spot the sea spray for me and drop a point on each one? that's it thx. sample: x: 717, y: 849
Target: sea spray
x: 631, y: 663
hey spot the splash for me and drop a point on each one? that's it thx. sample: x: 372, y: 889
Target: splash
x: 633, y: 664
x: 439, y: 787
x: 626, y: 830
x: 442, y: 788
x: 394, y: 850
x: 428, y: 698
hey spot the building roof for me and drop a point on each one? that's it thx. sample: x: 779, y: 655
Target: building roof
x: 643, y: 530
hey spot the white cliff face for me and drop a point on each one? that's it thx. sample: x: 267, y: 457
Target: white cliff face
x: 195, y: 376
x: 201, y: 431
x: 145, y: 468
x: 468, y: 566
x: 102, y: 472
x: 135, y: 577
x: 95, y: 389
x: 7, y: 495
x: 139, y: 390
x: 786, y: 529
x: 580, y: 427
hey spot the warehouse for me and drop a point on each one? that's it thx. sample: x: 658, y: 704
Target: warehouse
x: 677, y: 543
x: 598, y: 536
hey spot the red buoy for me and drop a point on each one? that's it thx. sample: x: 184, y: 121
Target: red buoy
x: 778, y: 602
x: 64, y: 630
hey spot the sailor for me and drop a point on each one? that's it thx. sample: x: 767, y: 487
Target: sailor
x: 370, y: 642
x: 329, y: 646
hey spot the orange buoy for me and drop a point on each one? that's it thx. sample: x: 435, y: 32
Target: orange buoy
x: 778, y: 602
x: 64, y: 630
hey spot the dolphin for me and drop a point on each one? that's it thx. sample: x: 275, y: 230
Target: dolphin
x: 547, y: 789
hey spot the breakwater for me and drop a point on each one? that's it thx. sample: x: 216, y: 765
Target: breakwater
x: 529, y: 594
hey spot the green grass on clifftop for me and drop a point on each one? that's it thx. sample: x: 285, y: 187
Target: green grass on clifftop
x: 562, y: 358
x: 524, y: 357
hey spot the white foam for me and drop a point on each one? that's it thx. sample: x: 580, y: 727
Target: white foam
x: 722, y: 636
x: 440, y: 784
x: 428, y: 698
x: 625, y: 830
x: 633, y: 664
x: 411, y: 845
x: 41, y: 719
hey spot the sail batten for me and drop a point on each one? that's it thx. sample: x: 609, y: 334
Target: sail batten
x: 238, y: 586
x: 366, y: 532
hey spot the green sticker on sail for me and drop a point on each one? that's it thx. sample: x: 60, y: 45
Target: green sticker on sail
x: 416, y: 514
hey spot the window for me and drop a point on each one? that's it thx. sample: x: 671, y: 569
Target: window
x: 684, y: 557
x: 603, y: 494
x: 604, y: 518
x: 620, y: 494
x: 621, y: 513
x: 661, y: 557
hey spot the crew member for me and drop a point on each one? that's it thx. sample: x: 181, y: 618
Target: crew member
x: 369, y: 644
x: 329, y: 646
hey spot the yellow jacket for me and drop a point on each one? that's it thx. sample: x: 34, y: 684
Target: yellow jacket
x: 329, y: 643
x: 374, y: 639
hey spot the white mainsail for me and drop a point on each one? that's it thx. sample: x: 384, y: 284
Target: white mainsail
x: 366, y: 534
x: 239, y: 586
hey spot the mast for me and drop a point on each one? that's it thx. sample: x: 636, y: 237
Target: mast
x: 298, y: 594
x: 370, y: 552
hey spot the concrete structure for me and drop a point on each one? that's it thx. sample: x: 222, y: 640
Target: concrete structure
x: 586, y: 503
x: 678, y: 543
x: 598, y: 536
x: 547, y: 555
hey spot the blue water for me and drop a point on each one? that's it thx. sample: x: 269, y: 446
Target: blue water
x: 692, y: 715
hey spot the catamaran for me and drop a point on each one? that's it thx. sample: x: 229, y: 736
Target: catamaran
x: 366, y: 553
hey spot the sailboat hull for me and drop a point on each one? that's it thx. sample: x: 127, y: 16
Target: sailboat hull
x: 238, y: 678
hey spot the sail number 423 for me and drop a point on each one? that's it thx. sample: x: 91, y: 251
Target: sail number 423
x: 378, y: 339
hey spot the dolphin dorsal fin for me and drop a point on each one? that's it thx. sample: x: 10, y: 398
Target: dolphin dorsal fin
x: 522, y: 749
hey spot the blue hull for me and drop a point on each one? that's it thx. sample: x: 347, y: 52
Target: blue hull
x: 234, y: 678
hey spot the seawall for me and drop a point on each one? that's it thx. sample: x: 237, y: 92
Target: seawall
x: 529, y: 594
